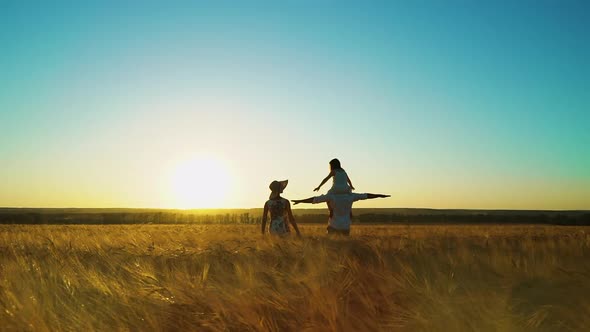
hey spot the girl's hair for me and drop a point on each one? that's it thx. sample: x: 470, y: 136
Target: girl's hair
x: 335, y: 164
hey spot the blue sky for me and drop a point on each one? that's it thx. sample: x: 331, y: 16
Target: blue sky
x: 455, y: 104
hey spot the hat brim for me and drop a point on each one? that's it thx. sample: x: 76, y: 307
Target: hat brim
x: 277, y: 189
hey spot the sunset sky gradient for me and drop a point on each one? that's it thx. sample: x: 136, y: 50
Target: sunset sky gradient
x: 442, y: 104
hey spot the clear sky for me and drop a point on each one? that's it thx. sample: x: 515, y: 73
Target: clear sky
x: 443, y: 104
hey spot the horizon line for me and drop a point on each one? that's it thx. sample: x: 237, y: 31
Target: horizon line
x: 294, y: 208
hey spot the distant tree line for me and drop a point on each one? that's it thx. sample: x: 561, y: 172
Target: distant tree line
x: 165, y: 217
x: 483, y: 218
x: 127, y: 218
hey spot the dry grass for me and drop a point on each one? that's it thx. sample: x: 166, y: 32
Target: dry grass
x: 220, y: 278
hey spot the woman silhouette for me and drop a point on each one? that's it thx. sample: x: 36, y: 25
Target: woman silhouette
x: 280, y: 211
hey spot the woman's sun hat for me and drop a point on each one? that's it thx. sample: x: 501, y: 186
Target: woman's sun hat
x: 277, y: 187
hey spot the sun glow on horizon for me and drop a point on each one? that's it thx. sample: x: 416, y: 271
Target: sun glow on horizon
x: 201, y: 182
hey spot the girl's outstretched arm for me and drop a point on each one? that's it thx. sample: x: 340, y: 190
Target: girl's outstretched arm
x: 324, y: 181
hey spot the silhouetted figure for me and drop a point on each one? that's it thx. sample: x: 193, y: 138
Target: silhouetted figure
x: 341, y: 183
x: 339, y: 221
x: 280, y: 211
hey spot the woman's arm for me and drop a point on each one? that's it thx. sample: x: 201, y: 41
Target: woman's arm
x: 324, y: 181
x: 264, y: 213
x: 292, y: 218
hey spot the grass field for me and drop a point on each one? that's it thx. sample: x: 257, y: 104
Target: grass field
x: 230, y: 278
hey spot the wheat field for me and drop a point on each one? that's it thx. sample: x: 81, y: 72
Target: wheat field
x: 230, y: 278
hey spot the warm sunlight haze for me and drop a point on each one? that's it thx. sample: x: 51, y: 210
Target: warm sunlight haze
x: 202, y: 182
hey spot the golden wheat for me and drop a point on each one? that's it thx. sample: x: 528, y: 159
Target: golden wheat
x: 220, y: 278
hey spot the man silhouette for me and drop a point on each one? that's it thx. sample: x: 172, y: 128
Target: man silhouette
x: 340, y: 218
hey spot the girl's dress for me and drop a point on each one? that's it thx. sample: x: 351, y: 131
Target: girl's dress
x: 278, y: 216
x: 340, y: 183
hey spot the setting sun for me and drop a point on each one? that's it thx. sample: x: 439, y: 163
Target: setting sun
x: 201, y: 182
